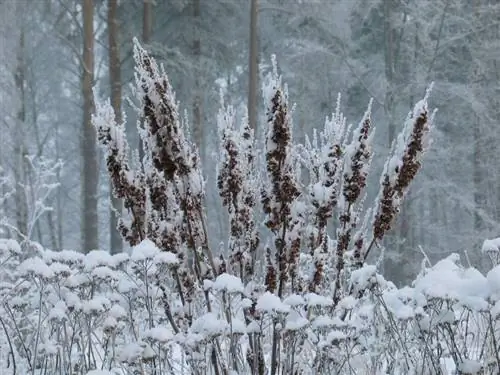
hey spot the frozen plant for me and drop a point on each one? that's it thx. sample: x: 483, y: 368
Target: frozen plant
x: 295, y: 298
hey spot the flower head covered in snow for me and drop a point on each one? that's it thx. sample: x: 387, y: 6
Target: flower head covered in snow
x: 323, y: 158
x: 236, y: 182
x: 171, y: 165
x: 170, y: 210
x: 280, y: 200
x: 357, y: 159
x: 127, y: 185
x: 401, y: 168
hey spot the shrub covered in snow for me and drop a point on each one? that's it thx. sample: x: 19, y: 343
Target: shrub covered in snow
x: 296, y: 297
x: 64, y: 312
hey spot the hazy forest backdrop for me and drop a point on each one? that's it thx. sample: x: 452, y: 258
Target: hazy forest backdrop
x: 52, y: 52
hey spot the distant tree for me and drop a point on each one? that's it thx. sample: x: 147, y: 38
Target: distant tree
x: 90, y: 166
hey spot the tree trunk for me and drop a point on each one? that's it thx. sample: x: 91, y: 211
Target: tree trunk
x: 197, y: 112
x: 147, y: 21
x: 116, y: 244
x: 389, y: 60
x: 19, y: 146
x: 253, y: 63
x: 90, y: 172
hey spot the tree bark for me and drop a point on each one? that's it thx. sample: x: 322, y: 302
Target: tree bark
x: 389, y: 59
x: 116, y: 244
x: 90, y: 172
x: 253, y: 74
x: 197, y: 111
x: 20, y: 147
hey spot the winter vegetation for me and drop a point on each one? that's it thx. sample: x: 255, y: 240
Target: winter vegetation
x: 306, y: 302
x: 222, y: 222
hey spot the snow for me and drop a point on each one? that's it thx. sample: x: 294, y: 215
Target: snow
x: 131, y: 352
x: 37, y: 267
x: 104, y: 272
x: 295, y: 321
x: 96, y: 305
x: 314, y: 299
x: 97, y: 258
x: 364, y: 277
x: 58, y: 312
x: 447, y: 280
x: 269, y: 302
x: 491, y: 245
x: 228, y: 283
x: 117, y: 312
x: 100, y: 372
x: 469, y: 367
x: 144, y: 251
x: 166, y: 257
x: 160, y: 334
x: 209, y: 325
x: 493, y: 278
x: 294, y: 300
x: 9, y: 245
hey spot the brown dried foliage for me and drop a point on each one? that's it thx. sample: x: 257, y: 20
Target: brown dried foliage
x: 393, y: 193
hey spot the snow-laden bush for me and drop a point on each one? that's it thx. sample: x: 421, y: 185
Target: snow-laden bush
x: 68, y: 313
x: 296, y: 297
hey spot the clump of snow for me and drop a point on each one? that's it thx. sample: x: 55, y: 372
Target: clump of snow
x: 294, y: 300
x: 117, y: 312
x: 37, y: 267
x: 97, y: 258
x: 131, y: 353
x: 269, y: 302
x: 9, y: 245
x: 144, y: 251
x: 493, y: 278
x: 447, y: 280
x: 238, y: 326
x: 364, y: 277
x: 209, y: 325
x: 96, y: 305
x: 491, y: 246
x: 58, y: 312
x: 470, y: 367
x: 228, y: 283
x: 161, y: 334
x: 101, y: 372
x: 295, y: 321
x: 166, y: 257
x: 314, y: 299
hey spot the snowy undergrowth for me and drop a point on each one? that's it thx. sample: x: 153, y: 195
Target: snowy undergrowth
x: 295, y: 295
x: 68, y: 313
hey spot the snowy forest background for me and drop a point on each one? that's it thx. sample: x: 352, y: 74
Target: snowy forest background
x: 54, y: 181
